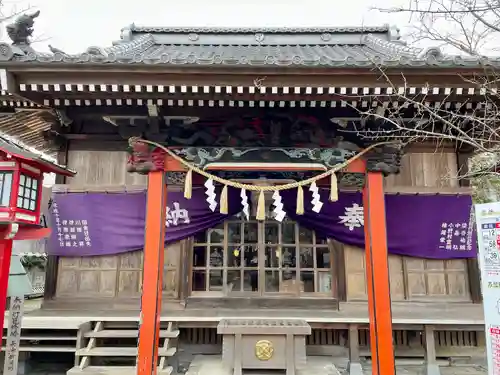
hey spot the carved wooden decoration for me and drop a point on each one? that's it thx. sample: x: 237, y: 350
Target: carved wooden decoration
x: 144, y: 158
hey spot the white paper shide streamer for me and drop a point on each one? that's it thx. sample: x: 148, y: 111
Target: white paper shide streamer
x: 210, y: 193
x: 316, y: 199
x: 244, y: 204
x: 279, y: 213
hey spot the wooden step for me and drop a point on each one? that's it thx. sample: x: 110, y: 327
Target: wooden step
x: 45, y: 349
x: 121, y: 352
x: 124, y: 333
x: 113, y: 370
x: 46, y: 338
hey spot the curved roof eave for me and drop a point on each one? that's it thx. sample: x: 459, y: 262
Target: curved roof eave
x: 369, y: 52
x: 127, y: 64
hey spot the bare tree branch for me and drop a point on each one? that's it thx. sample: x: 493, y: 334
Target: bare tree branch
x: 470, y: 27
x: 466, y: 26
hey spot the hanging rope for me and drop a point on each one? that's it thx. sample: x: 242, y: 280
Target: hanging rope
x: 260, y: 209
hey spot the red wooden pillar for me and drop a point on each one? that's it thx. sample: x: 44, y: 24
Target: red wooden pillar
x: 5, y: 256
x: 149, y: 331
x: 377, y: 276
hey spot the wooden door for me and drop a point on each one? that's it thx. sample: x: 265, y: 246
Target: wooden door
x: 250, y: 258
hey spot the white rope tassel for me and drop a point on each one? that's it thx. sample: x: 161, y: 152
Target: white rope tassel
x: 210, y: 193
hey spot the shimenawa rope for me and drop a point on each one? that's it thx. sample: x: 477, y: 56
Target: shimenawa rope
x: 261, y: 202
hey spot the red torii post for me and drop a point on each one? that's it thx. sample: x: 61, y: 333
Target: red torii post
x: 154, y: 254
x: 377, y: 269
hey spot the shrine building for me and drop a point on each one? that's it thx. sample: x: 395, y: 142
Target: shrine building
x: 252, y: 106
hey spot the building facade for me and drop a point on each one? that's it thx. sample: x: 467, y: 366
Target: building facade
x: 203, y: 90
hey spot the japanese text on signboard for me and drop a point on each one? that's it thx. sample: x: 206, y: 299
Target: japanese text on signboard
x: 13, y: 335
x: 455, y: 236
x: 176, y: 215
x: 71, y: 233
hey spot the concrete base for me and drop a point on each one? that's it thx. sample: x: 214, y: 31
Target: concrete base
x: 213, y: 365
x: 432, y: 369
x: 208, y: 365
x: 354, y: 368
x: 23, y: 365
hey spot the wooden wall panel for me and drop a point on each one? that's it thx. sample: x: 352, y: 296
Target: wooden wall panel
x: 356, y: 275
x: 102, y: 168
x: 109, y: 276
x: 426, y: 170
x: 355, y: 271
x: 414, y: 278
x: 411, y: 278
x: 437, y: 279
x: 130, y: 274
x: 170, y: 272
x: 114, y: 276
x: 397, y: 279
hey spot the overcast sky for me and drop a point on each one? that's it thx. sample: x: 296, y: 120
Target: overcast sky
x: 73, y: 25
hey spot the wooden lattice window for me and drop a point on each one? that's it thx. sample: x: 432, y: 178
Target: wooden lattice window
x: 268, y: 257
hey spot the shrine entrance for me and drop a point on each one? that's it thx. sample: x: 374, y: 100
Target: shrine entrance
x: 243, y: 258
x: 261, y: 269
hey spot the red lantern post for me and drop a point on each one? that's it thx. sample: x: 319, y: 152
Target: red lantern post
x: 21, y: 178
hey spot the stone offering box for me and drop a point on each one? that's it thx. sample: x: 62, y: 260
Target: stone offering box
x: 271, y: 344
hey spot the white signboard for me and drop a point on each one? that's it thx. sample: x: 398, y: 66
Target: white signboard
x: 488, y: 232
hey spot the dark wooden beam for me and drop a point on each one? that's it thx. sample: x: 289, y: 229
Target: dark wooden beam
x: 100, y: 111
x: 206, y: 111
x: 99, y: 145
x: 52, y: 267
x: 395, y: 190
x: 114, y: 141
x: 339, y: 279
x: 225, y: 76
x: 473, y: 270
x: 13, y: 90
x: 40, y: 96
x: 94, y: 112
x: 94, y: 137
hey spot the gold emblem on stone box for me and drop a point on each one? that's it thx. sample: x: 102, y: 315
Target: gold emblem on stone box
x: 264, y: 350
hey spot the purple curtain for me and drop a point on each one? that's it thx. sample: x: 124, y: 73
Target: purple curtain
x: 87, y: 224
x: 426, y: 226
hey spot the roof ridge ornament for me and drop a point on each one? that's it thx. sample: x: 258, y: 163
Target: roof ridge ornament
x: 96, y: 51
x: 392, y: 47
x: 430, y: 52
x: 394, y: 33
x: 126, y: 33
x: 259, y: 37
x: 21, y: 30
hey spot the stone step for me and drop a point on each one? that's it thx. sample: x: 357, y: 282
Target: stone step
x: 45, y: 348
x: 121, y: 352
x: 124, y: 333
x: 113, y: 370
x: 45, y: 337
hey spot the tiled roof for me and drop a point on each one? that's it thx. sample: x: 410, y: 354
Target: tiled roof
x: 14, y: 127
x: 252, y: 30
x: 28, y: 127
x: 260, y: 47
